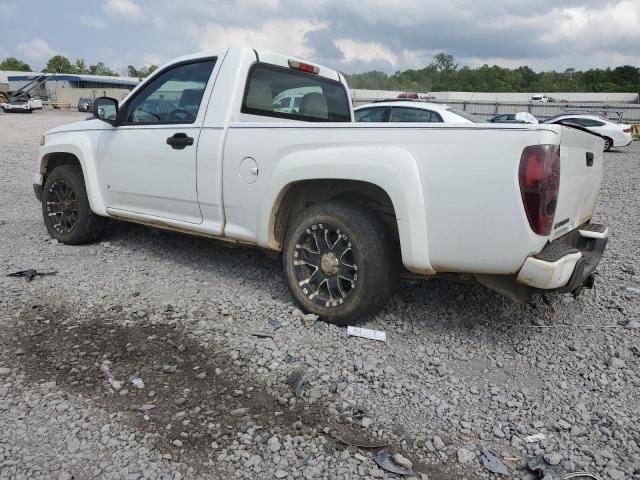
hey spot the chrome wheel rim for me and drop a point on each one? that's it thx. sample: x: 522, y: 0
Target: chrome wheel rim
x: 325, y: 267
x: 62, y: 206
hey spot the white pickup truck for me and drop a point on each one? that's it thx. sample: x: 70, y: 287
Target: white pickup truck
x: 200, y: 148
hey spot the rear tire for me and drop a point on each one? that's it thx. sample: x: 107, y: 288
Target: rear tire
x: 340, y: 262
x: 608, y: 143
x: 66, y: 210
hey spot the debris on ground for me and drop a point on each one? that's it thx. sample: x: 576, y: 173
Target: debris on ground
x: 535, y: 438
x: 138, y: 383
x: 540, y: 466
x: 581, y: 475
x: 30, y: 274
x: 493, y: 463
x: 262, y: 335
x: 296, y: 381
x: 309, y: 320
x: 367, y: 333
x: 402, y: 461
x: 632, y: 289
x: 360, y: 442
x: 384, y: 461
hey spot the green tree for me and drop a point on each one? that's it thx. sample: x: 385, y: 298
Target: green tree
x: 59, y: 64
x: 101, y: 69
x: 12, y: 63
x: 80, y: 66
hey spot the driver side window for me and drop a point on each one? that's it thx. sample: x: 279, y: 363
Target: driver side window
x: 172, y: 97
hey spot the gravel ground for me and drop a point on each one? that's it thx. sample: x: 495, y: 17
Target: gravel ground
x: 216, y: 340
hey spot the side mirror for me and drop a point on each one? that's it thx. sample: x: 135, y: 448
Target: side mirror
x: 106, y: 109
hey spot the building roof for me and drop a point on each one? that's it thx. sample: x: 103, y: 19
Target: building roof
x: 61, y: 77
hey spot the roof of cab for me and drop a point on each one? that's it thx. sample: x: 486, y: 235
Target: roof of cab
x: 278, y: 59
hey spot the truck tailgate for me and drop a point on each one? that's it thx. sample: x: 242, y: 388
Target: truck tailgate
x: 580, y: 177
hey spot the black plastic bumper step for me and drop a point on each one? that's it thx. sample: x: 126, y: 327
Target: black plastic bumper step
x: 555, y: 251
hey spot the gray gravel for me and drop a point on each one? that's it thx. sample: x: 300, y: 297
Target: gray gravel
x: 212, y: 333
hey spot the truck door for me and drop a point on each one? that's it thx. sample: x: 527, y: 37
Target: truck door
x: 147, y: 164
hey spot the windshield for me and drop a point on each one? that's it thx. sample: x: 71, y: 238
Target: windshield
x: 469, y: 116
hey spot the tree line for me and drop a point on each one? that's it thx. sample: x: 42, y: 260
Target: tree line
x: 61, y: 64
x: 444, y: 74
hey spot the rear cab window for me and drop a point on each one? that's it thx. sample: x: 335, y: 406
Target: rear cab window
x: 369, y: 115
x: 279, y: 92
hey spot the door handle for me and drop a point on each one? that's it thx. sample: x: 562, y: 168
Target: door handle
x: 589, y: 156
x: 179, y: 141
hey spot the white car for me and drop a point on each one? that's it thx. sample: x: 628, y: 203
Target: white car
x: 22, y: 105
x: 349, y: 205
x: 411, y: 112
x: 539, y: 98
x: 614, y: 134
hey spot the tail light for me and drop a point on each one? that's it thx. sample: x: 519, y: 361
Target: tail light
x: 303, y: 67
x: 627, y: 130
x: 539, y: 177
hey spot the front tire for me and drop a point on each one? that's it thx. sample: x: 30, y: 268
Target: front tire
x: 340, y: 262
x: 66, y: 210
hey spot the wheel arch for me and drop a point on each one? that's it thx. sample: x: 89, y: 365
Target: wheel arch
x: 386, y: 180
x: 77, y: 151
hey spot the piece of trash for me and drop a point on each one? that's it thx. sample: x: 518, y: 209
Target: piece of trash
x: 138, y: 383
x: 359, y: 442
x: 290, y: 359
x: 540, y: 466
x: 30, y: 274
x: 580, y: 475
x: 143, y: 408
x: 493, y: 463
x: 309, y: 319
x: 115, y: 383
x: 632, y: 289
x: 535, y: 438
x: 402, y: 461
x: 262, y: 335
x: 367, y: 333
x: 296, y: 381
x: 274, y: 323
x: 383, y: 460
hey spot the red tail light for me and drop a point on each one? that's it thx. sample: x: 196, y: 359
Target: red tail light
x: 627, y: 130
x: 303, y: 67
x: 539, y: 177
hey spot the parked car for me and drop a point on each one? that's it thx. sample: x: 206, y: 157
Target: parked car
x: 85, y: 104
x: 539, y: 98
x: 348, y: 204
x: 405, y: 111
x: 20, y: 104
x: 415, y: 96
x: 614, y: 134
x: 36, y: 103
x: 520, y: 117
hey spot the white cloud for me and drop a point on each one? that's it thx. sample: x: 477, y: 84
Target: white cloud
x: 153, y: 59
x: 123, y: 8
x: 364, y: 51
x: 37, y: 50
x: 283, y: 36
x: 92, y: 22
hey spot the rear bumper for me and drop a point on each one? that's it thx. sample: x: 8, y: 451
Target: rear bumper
x: 567, y: 263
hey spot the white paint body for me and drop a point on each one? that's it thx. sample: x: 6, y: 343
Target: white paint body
x: 454, y: 187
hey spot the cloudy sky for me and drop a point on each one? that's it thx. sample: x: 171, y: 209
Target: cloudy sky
x: 352, y: 36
